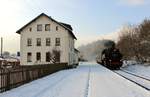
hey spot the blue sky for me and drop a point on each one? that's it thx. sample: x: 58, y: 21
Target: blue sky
x: 91, y: 19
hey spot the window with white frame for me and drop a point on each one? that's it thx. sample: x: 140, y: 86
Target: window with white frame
x: 38, y: 41
x: 56, y: 56
x: 48, y: 41
x: 29, y: 42
x: 47, y: 27
x: 57, y: 42
x: 48, y: 56
x: 56, y: 28
x: 39, y: 27
x: 38, y: 56
x: 29, y: 57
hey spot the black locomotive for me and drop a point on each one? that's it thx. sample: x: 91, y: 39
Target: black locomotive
x: 111, y: 58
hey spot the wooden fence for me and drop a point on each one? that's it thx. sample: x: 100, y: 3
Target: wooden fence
x: 14, y: 77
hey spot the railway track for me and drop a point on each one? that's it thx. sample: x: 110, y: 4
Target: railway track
x: 87, y: 84
x: 135, y: 74
x: 139, y: 80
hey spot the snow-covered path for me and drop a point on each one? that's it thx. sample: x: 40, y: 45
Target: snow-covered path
x: 88, y: 80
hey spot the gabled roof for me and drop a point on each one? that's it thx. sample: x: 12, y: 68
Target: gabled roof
x: 64, y: 25
x: 67, y: 25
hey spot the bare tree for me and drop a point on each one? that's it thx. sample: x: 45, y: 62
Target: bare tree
x: 144, y: 35
x: 55, y: 55
x: 134, y: 42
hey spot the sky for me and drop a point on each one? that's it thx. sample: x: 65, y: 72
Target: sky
x: 91, y: 19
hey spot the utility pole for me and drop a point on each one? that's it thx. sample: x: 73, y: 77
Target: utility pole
x: 1, y: 46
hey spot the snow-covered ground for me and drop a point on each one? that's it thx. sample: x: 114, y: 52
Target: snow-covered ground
x: 139, y: 69
x: 88, y: 80
x: 138, y: 80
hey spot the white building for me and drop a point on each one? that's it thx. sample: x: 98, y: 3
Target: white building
x: 45, y: 40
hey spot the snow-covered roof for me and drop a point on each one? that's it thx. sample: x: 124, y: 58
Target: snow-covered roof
x: 11, y: 59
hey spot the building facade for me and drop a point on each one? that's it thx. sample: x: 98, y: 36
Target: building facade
x: 45, y: 40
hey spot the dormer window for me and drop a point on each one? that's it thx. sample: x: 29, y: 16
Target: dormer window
x: 39, y: 27
x: 47, y: 27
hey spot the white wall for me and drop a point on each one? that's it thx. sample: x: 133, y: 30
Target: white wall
x: 61, y: 33
x: 71, y: 49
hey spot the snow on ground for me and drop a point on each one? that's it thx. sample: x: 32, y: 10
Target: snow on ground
x: 139, y: 69
x: 33, y: 88
x: 105, y: 83
x: 140, y: 81
x: 88, y: 80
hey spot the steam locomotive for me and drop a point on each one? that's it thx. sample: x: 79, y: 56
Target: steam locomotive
x: 111, y: 58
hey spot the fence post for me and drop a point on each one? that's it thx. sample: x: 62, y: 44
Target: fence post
x: 23, y: 77
x: 8, y: 80
x: 0, y: 79
x: 27, y: 75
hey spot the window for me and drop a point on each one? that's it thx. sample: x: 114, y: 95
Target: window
x: 56, y: 56
x: 39, y: 27
x: 57, y: 42
x: 30, y: 29
x: 56, y: 28
x: 29, y: 42
x: 48, y: 57
x: 48, y: 41
x: 38, y: 56
x: 47, y: 27
x: 38, y: 41
x: 29, y: 57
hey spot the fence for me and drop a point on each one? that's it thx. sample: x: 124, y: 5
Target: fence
x: 14, y: 77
